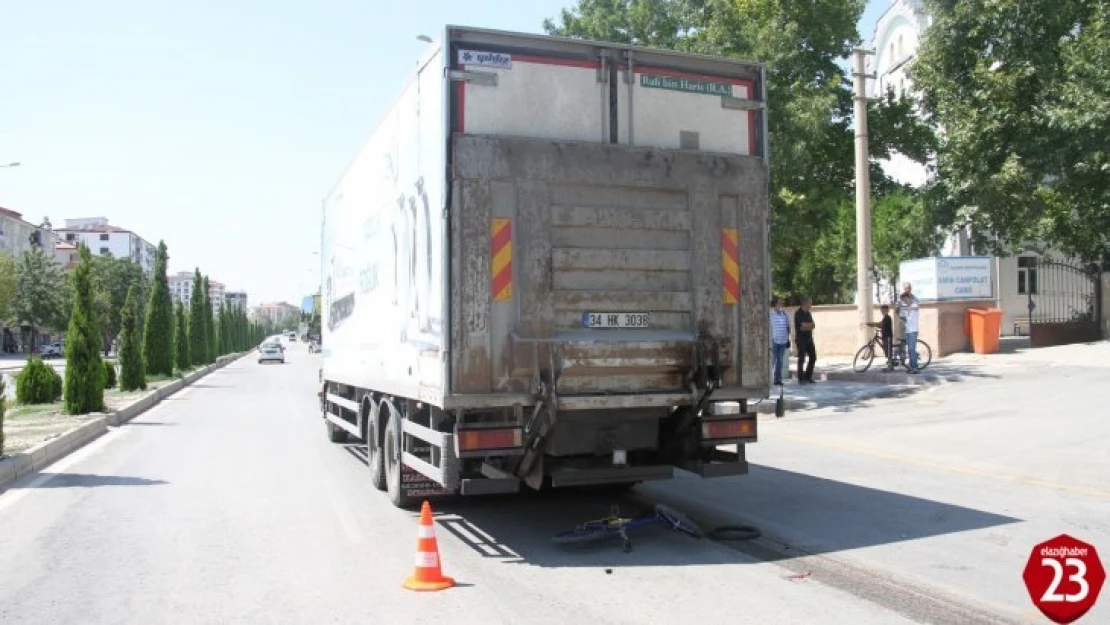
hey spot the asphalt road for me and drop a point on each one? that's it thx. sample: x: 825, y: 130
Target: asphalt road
x: 226, y: 503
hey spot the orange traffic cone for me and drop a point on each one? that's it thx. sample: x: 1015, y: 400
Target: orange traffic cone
x: 427, y: 575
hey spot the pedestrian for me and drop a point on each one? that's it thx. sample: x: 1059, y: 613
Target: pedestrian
x: 803, y: 333
x: 780, y: 337
x: 910, y: 307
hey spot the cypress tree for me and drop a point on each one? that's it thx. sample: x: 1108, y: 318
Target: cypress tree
x: 132, y: 371
x: 84, y: 385
x: 198, y: 352
x: 209, y: 325
x: 181, y: 339
x: 158, y: 353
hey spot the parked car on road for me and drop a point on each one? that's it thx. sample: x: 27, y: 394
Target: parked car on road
x: 271, y: 352
x: 53, y: 350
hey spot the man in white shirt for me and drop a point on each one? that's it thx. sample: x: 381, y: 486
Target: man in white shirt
x: 780, y: 338
x: 909, y: 309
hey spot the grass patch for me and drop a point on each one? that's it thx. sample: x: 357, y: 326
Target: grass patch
x: 31, y: 411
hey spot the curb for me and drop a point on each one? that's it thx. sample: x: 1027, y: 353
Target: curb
x: 46, y: 453
x: 894, y: 378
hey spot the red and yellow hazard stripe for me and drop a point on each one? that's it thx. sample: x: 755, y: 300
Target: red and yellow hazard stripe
x: 730, y: 265
x: 501, y: 259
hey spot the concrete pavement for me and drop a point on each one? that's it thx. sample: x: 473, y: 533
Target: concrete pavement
x: 227, y: 504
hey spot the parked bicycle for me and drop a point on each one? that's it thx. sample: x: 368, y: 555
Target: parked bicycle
x: 899, y: 354
x: 617, y: 526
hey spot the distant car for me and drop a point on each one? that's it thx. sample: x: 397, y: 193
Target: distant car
x: 292, y: 338
x: 271, y: 351
x: 53, y: 350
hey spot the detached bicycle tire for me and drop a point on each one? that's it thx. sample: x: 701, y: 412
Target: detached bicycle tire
x: 584, y: 535
x: 735, y: 532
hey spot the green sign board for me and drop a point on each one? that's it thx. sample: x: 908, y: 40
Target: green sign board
x: 689, y: 85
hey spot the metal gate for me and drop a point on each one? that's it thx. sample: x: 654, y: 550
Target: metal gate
x: 1064, y: 303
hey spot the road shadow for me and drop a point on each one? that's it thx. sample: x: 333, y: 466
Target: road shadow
x: 804, y: 514
x: 798, y: 514
x: 203, y: 385
x: 145, y: 423
x: 85, y: 480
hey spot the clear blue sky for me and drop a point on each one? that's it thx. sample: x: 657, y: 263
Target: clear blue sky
x: 217, y: 125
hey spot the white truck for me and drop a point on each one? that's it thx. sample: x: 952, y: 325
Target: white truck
x: 549, y: 265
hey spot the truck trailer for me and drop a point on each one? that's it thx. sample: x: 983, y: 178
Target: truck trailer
x: 549, y: 267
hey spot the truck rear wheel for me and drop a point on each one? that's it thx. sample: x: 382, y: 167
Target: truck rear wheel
x: 375, y: 459
x: 391, y: 449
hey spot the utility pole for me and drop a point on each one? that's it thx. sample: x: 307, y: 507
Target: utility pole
x: 863, y: 194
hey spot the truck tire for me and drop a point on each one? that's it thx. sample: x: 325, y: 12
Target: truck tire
x: 375, y: 459
x: 335, y: 433
x: 391, y: 455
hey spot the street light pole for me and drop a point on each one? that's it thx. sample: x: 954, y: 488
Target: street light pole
x: 15, y: 164
x: 863, y: 194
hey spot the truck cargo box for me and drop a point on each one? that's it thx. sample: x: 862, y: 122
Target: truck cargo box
x: 539, y: 220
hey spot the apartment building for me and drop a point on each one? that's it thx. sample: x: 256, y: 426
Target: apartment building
x: 236, y: 300
x: 18, y: 235
x: 181, y: 289
x: 104, y: 239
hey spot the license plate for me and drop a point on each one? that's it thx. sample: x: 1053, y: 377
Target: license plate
x: 615, y: 320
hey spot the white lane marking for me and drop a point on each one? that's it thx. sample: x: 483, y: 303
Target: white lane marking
x: 13, y: 494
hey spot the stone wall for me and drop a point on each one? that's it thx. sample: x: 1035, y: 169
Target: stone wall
x: 942, y: 326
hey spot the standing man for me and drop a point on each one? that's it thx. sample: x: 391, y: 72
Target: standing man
x: 780, y: 337
x: 803, y: 332
x: 909, y: 309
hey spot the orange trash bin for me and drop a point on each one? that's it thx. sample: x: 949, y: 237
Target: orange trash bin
x: 985, y: 325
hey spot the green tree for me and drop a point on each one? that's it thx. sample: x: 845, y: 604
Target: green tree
x: 209, y: 324
x: 198, y: 335
x: 111, y: 278
x: 181, y: 340
x: 9, y: 286
x: 131, y: 361
x: 40, y: 293
x: 809, y: 116
x: 158, y: 337
x: 84, y: 374
x: 1021, y: 91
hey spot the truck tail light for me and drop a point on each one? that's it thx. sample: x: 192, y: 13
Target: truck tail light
x: 729, y: 428
x: 490, y: 439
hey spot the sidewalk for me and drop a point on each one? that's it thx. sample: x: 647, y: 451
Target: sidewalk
x: 839, y: 385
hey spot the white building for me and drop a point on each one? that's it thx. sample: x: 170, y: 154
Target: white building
x: 897, y: 36
x: 277, y: 313
x: 104, y: 239
x: 181, y: 290
x: 18, y: 236
x: 236, y: 300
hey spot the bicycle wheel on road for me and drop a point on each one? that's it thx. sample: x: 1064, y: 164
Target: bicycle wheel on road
x: 678, y: 521
x: 924, y: 354
x: 864, y: 357
x: 583, y: 534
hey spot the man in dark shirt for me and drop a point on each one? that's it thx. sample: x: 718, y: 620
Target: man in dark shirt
x: 803, y: 332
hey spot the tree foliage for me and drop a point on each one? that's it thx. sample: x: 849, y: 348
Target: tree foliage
x: 111, y: 278
x: 209, y: 324
x: 181, y: 339
x: 1021, y: 92
x: 809, y: 114
x: 132, y: 367
x: 198, y: 333
x: 40, y: 294
x: 158, y: 351
x: 84, y: 381
x: 9, y: 287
